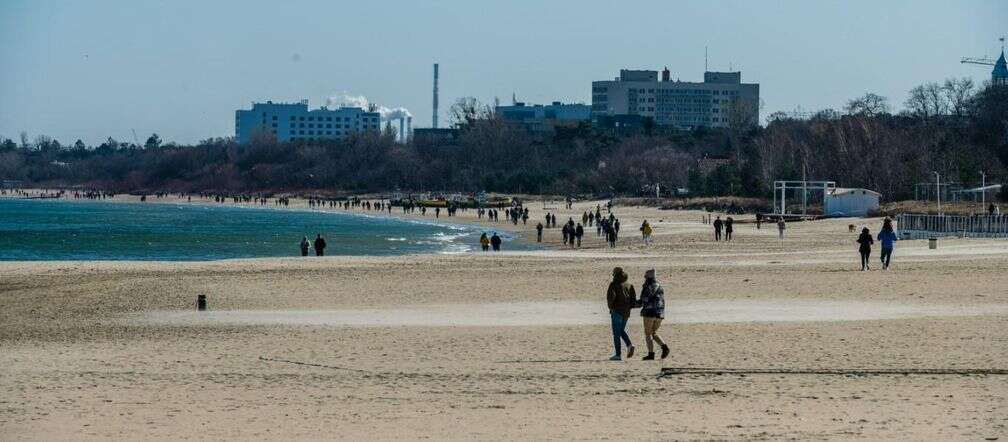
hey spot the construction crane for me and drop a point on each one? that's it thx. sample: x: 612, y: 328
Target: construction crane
x: 977, y: 60
x: 983, y: 60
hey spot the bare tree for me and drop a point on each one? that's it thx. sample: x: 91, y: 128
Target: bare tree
x: 869, y: 104
x: 958, y: 93
x: 466, y: 110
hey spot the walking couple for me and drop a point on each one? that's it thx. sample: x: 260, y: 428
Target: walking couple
x: 621, y: 298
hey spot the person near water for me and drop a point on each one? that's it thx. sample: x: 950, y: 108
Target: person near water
x: 887, y: 238
x: 865, y: 240
x: 728, y: 228
x: 320, y: 245
x: 717, y: 228
x: 621, y: 298
x: 578, y: 233
x: 484, y: 242
x: 495, y: 241
x: 652, y: 304
x: 566, y: 233
x: 305, y: 245
x: 539, y: 228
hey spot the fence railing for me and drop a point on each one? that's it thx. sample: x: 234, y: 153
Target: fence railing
x: 918, y: 226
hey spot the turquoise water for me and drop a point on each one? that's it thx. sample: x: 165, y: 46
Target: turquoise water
x: 72, y: 230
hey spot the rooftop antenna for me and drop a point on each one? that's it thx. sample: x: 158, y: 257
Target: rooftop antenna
x: 705, y: 59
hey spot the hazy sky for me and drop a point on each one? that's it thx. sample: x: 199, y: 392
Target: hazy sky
x: 94, y: 69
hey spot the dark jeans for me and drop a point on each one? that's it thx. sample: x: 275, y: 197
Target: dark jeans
x: 727, y: 235
x: 619, y: 332
x: 319, y: 252
x: 717, y: 235
x: 886, y: 256
x: 864, y: 258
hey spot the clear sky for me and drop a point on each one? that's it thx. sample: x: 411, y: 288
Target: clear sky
x: 94, y: 69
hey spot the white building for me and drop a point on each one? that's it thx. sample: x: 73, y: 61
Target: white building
x: 840, y: 201
x: 681, y: 104
x: 293, y: 121
x: 540, y: 118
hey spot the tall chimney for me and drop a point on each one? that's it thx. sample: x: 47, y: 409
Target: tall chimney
x: 434, y: 125
x: 402, y: 129
x: 409, y: 128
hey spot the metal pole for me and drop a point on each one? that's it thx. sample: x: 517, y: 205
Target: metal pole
x: 983, y: 191
x: 938, y: 188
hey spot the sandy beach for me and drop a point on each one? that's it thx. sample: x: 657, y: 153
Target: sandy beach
x: 514, y: 345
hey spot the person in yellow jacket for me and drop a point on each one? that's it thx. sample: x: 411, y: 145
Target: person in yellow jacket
x: 484, y: 242
x: 646, y: 232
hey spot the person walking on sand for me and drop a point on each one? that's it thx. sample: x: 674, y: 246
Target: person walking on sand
x: 578, y: 233
x: 780, y: 228
x: 539, y: 228
x: 484, y: 242
x: 887, y: 237
x: 728, y: 228
x: 652, y: 304
x: 320, y: 245
x: 646, y: 231
x: 620, y: 298
x: 717, y: 228
x: 759, y: 220
x: 865, y: 241
x: 495, y: 241
x: 305, y: 245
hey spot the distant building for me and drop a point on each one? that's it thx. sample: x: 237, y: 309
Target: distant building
x: 435, y: 137
x: 293, y: 121
x: 999, y: 76
x: 840, y: 201
x: 680, y: 104
x: 538, y: 118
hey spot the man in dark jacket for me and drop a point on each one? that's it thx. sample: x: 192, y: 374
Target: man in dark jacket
x: 539, y: 228
x: 621, y: 298
x: 717, y: 228
x: 495, y: 242
x: 320, y: 245
x: 652, y: 304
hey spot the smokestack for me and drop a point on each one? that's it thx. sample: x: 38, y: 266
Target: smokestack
x: 409, y: 128
x: 434, y: 125
x: 402, y: 129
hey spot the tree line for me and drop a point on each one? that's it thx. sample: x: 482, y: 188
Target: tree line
x: 953, y: 128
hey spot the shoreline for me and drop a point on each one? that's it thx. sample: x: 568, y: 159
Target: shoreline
x: 469, y: 228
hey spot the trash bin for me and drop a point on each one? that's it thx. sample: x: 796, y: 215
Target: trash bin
x: 932, y: 243
x: 201, y: 302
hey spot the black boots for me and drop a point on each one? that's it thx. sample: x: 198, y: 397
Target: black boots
x: 649, y: 357
x: 664, y: 351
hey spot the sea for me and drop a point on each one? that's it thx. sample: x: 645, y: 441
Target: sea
x: 47, y: 229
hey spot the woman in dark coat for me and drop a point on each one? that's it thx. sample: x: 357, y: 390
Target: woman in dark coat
x: 865, y: 240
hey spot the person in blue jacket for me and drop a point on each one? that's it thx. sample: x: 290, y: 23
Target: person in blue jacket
x: 887, y: 237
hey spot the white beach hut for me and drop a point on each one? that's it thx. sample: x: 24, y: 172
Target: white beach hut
x: 843, y: 201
